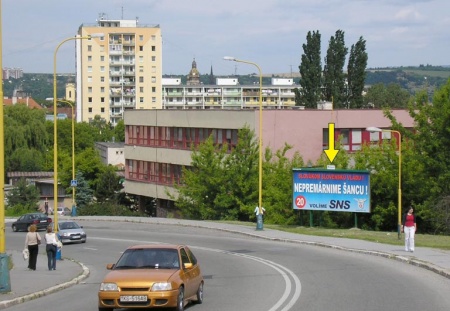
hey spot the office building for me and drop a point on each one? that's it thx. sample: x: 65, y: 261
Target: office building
x: 120, y: 70
x: 158, y: 142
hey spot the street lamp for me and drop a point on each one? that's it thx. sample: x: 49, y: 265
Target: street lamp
x: 399, y: 216
x: 55, y: 125
x: 5, y: 284
x: 259, y: 222
x: 73, y: 155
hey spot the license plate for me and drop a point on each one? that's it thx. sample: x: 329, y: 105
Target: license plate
x: 132, y: 298
x: 76, y: 236
x: 43, y: 221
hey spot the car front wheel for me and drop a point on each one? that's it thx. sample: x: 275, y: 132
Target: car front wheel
x: 14, y: 228
x: 200, y: 294
x: 180, y: 300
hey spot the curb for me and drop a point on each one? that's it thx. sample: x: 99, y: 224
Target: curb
x: 8, y: 303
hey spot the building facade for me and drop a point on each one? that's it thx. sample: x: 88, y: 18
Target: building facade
x: 227, y: 93
x: 120, y: 70
x: 158, y: 142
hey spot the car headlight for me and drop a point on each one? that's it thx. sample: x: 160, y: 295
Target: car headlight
x: 161, y: 286
x: 66, y: 234
x: 109, y: 287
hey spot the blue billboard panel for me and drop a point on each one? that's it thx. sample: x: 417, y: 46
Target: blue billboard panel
x: 331, y: 190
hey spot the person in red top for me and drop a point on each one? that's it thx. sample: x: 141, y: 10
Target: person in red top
x: 409, y: 227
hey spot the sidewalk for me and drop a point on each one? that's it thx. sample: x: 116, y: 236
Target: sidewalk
x: 69, y: 273
x: 28, y: 285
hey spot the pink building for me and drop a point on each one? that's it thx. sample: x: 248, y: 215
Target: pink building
x: 158, y: 142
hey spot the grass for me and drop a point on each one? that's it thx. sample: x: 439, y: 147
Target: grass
x: 421, y: 240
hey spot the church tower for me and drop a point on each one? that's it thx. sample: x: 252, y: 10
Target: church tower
x: 193, y: 76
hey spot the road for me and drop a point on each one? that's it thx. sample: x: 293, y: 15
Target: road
x: 243, y: 273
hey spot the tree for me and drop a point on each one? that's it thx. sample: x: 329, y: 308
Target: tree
x: 201, y: 182
x: 333, y: 73
x: 84, y: 194
x: 278, y: 183
x: 356, y: 71
x: 390, y: 96
x: 25, y: 138
x: 311, y: 71
x: 24, y: 195
x: 218, y: 184
x: 430, y: 139
x: 108, y: 185
x: 119, y: 131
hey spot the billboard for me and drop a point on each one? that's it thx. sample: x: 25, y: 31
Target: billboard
x: 331, y: 190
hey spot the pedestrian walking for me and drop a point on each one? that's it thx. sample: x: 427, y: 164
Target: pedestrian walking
x: 32, y: 242
x: 46, y: 206
x: 409, y: 227
x: 51, y: 241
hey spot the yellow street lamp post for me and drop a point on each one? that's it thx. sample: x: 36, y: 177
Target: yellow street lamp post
x: 5, y: 282
x: 399, y: 211
x: 73, y: 156
x: 55, y: 125
x: 259, y: 222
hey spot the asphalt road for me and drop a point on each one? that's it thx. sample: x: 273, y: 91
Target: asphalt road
x: 244, y: 273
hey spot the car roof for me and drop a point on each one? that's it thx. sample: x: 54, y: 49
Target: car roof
x: 156, y: 246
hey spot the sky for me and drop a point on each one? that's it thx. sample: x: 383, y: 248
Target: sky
x: 270, y: 33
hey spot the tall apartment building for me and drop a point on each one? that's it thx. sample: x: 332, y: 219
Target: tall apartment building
x: 118, y: 71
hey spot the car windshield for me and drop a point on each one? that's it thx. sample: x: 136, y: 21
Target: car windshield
x: 142, y: 258
x: 68, y: 225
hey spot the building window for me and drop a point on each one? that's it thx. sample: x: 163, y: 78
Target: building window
x: 90, y: 109
x: 153, y: 69
x: 153, y: 48
x: 102, y: 68
x: 153, y: 38
x: 153, y: 99
x: 141, y: 38
x: 90, y: 89
x: 141, y: 79
x: 141, y: 89
x: 141, y: 48
x: 89, y: 99
x: 89, y: 79
x: 102, y: 79
x: 153, y: 89
x: 89, y: 69
x: 102, y: 99
x: 153, y: 58
x: 102, y: 109
x: 89, y: 47
x: 89, y: 58
x: 102, y: 89
x: 102, y: 58
x: 141, y: 68
x: 141, y: 99
x: 102, y: 48
x: 141, y: 59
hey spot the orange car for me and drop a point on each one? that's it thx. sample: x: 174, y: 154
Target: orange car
x: 152, y: 276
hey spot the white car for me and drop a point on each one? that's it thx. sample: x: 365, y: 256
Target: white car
x: 64, y: 211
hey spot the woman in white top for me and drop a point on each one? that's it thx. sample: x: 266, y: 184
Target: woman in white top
x: 32, y: 241
x: 51, y: 248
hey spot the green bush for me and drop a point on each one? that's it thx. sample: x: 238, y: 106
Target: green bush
x: 18, y: 210
x: 106, y: 209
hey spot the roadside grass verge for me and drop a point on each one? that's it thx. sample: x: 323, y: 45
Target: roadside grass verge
x: 421, y: 240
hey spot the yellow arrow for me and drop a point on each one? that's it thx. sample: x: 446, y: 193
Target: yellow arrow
x: 331, y: 152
